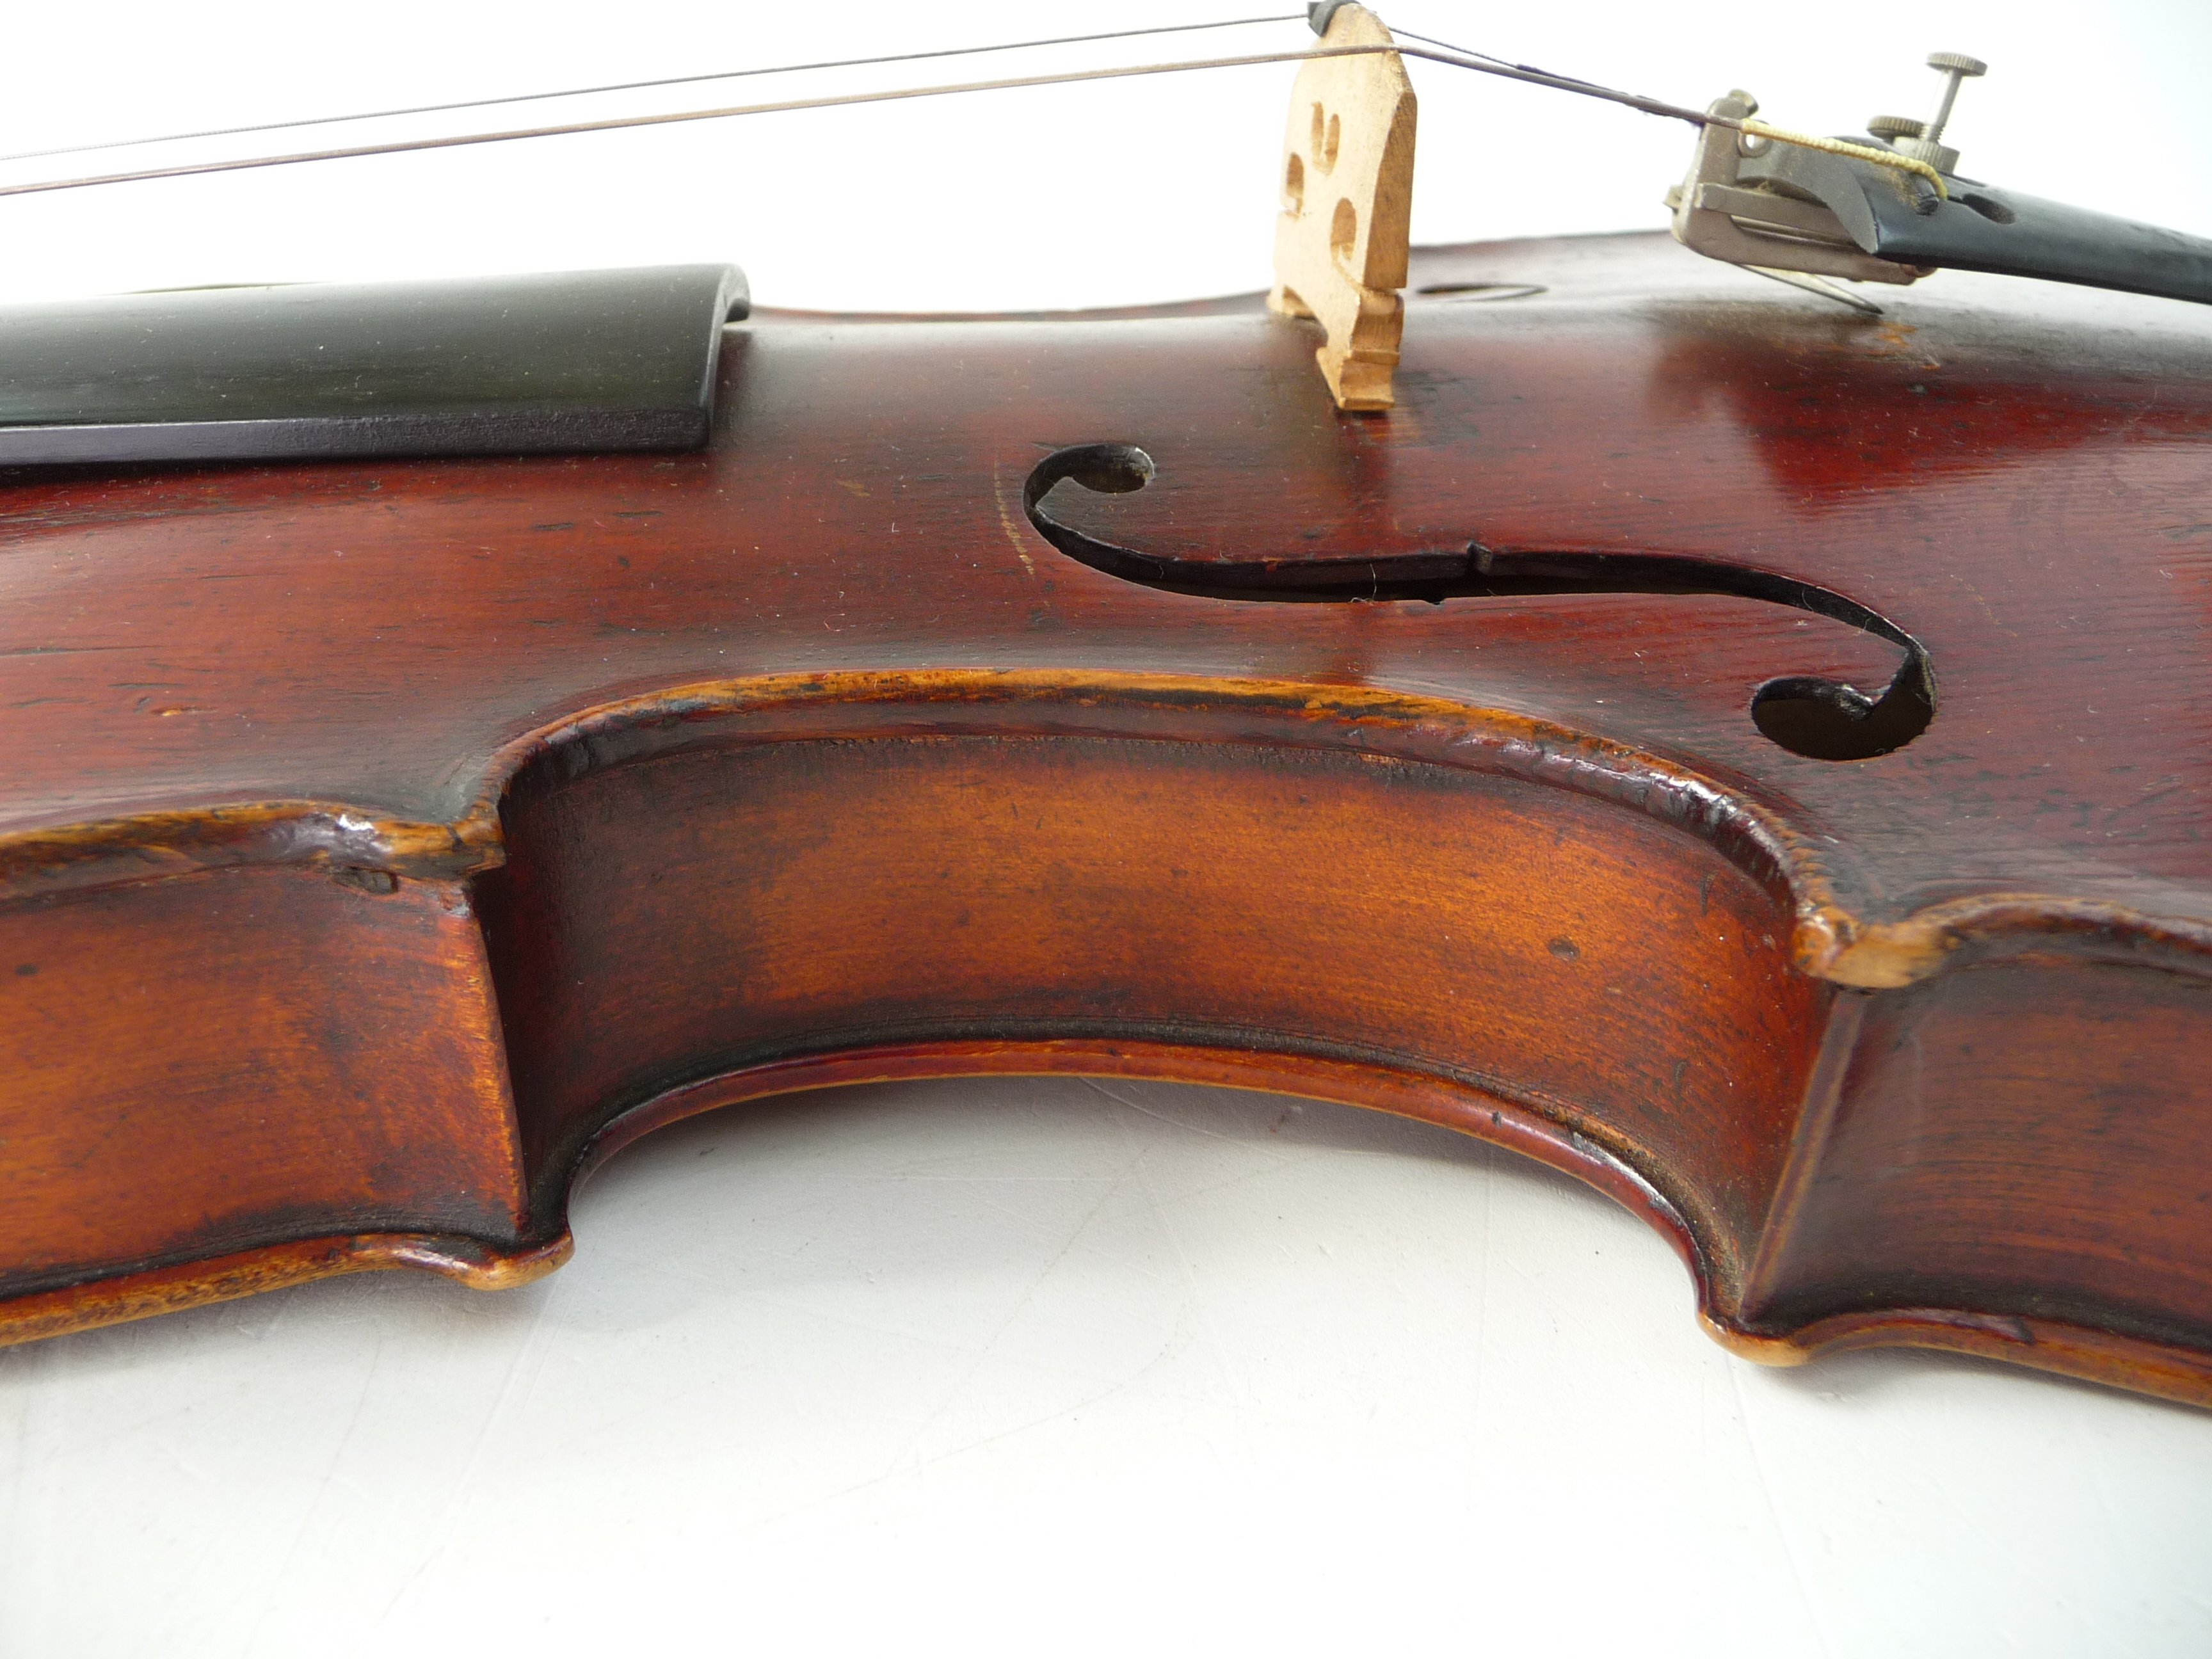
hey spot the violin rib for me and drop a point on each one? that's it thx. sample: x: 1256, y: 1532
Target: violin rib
x: 391, y: 841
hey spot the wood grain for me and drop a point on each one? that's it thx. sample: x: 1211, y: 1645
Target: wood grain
x: 390, y: 841
x: 247, y: 1057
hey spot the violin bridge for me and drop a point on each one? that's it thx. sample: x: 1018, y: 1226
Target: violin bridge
x: 1342, y: 238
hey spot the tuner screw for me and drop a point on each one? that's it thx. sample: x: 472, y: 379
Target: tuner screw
x: 1955, y: 69
x: 1926, y: 143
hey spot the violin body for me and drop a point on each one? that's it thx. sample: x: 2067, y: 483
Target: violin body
x: 385, y: 842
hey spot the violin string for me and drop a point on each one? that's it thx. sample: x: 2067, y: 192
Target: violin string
x: 642, y: 86
x: 1468, y: 51
x: 615, y: 122
x: 1484, y: 63
x: 1877, y: 156
x: 1452, y: 58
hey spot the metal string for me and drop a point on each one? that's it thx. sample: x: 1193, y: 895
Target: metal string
x: 1872, y: 153
x: 642, y: 86
x: 1469, y: 51
x: 1451, y: 58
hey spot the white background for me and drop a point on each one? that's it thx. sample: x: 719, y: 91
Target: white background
x: 1048, y: 1366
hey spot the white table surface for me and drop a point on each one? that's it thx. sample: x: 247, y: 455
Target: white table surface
x: 1047, y: 1365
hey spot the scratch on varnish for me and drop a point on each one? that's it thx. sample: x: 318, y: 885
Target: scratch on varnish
x: 1007, y: 519
x: 1985, y: 604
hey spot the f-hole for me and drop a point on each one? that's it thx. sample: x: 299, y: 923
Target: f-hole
x: 1819, y: 719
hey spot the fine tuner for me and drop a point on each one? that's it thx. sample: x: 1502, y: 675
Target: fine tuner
x: 1804, y: 216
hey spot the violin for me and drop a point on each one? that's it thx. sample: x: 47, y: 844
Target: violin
x: 1746, y: 755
